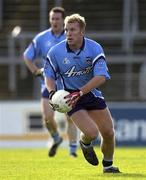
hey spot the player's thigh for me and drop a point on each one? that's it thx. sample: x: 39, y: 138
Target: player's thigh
x: 84, y: 122
x: 103, y: 120
x: 46, y: 108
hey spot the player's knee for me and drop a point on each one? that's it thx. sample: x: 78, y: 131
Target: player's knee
x: 108, y: 134
x: 92, y: 134
x: 88, y: 136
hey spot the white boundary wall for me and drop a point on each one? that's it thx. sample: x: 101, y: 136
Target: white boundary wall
x: 130, y: 121
x: 14, y: 117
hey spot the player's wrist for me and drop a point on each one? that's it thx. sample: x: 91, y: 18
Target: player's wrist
x: 35, y: 72
x: 81, y: 93
x: 38, y: 72
x: 51, y: 93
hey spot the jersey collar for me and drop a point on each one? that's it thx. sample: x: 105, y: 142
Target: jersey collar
x: 59, y: 35
x: 81, y: 49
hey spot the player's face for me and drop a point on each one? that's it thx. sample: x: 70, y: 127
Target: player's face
x: 56, y: 21
x: 74, y: 34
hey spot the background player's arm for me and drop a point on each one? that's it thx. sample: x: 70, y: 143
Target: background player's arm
x: 32, y: 67
x: 30, y: 55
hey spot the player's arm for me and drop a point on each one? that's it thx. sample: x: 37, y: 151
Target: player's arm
x: 50, y: 73
x: 33, y: 68
x: 95, y: 82
x: 50, y: 84
x: 30, y: 55
x: 50, y: 77
x: 100, y: 74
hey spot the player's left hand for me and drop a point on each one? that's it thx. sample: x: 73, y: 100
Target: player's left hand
x: 73, y: 97
x: 39, y: 73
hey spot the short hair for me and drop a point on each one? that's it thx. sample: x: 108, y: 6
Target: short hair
x: 76, y: 18
x: 58, y: 10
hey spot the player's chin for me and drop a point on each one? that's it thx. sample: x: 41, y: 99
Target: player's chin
x: 55, y: 28
x: 70, y: 41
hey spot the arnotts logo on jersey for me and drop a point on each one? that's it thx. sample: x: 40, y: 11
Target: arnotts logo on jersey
x: 73, y: 72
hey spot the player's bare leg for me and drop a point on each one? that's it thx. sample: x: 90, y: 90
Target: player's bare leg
x: 104, y: 122
x: 82, y: 121
x: 72, y: 132
x: 48, y: 117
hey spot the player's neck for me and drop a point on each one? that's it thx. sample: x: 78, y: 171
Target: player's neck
x: 57, y: 32
x: 76, y: 46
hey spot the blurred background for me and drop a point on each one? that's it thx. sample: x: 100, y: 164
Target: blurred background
x: 118, y: 25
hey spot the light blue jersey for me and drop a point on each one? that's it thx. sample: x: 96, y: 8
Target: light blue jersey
x: 40, y: 45
x: 76, y: 68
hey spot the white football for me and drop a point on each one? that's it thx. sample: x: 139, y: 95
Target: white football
x: 59, y: 102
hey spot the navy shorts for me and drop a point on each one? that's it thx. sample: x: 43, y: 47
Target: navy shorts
x: 45, y: 93
x: 88, y: 102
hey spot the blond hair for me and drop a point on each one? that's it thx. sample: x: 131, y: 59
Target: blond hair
x: 76, y: 18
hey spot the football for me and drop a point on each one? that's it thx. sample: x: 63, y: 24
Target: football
x: 59, y: 102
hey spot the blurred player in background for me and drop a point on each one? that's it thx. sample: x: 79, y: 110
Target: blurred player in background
x: 38, y: 48
x: 82, y: 65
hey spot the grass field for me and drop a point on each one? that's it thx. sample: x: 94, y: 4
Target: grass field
x: 33, y: 164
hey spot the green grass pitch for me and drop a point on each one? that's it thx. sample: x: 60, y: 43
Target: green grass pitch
x: 33, y: 164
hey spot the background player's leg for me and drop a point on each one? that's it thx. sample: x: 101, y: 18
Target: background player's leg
x: 72, y: 132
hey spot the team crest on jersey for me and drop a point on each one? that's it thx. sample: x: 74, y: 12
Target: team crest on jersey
x: 66, y: 61
x: 89, y: 60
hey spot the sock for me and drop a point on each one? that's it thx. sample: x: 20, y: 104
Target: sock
x: 95, y: 142
x: 107, y: 163
x: 86, y: 145
x: 73, y: 147
x: 56, y: 137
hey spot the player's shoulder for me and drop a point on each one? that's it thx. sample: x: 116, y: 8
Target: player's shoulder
x: 42, y: 34
x: 93, y: 45
x: 91, y: 42
x: 61, y: 45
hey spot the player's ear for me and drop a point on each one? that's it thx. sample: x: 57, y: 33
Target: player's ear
x: 82, y: 32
